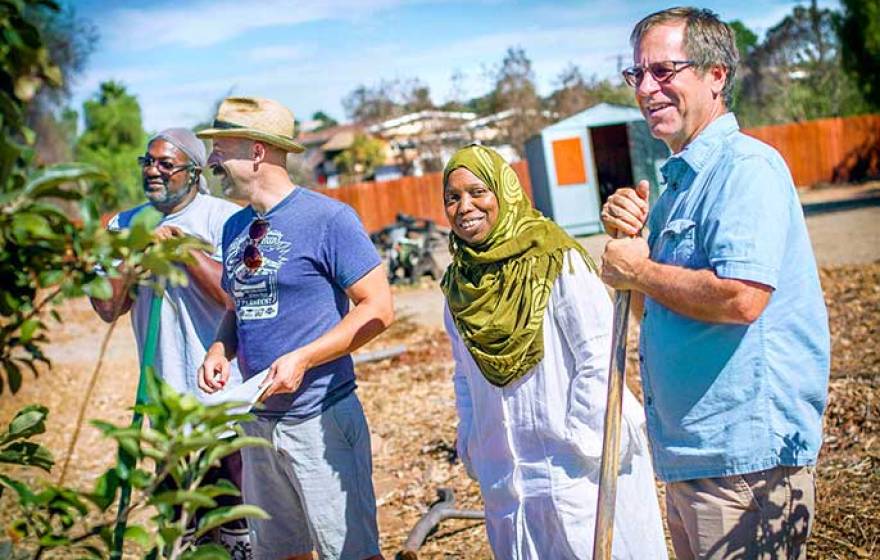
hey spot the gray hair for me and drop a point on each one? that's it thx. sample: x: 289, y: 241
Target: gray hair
x: 184, y: 140
x: 708, y: 41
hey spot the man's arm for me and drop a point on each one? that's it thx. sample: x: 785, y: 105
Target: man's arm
x: 372, y: 313
x: 119, y: 303
x: 206, y: 273
x: 698, y: 294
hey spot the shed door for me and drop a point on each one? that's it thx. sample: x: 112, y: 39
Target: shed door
x: 611, y: 154
x: 572, y: 180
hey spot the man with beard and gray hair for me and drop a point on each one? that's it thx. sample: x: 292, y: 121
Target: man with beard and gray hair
x: 174, y: 185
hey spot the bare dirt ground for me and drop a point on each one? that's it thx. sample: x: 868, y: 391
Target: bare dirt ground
x: 410, y: 403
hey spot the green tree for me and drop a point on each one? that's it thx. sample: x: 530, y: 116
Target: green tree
x: 372, y: 104
x: 571, y: 96
x: 455, y: 99
x: 860, y: 46
x: 387, y: 99
x: 416, y: 96
x: 112, y: 140
x: 796, y: 73
x: 746, y: 39
x: 360, y: 160
x: 45, y: 256
x: 183, y: 441
x: 326, y: 120
x: 515, y: 91
x: 69, y: 40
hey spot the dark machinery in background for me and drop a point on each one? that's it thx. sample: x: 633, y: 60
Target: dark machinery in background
x: 408, y: 247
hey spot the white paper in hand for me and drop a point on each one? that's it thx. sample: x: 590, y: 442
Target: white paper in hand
x: 248, y: 393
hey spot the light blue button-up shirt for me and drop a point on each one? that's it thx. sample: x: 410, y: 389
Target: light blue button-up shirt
x: 727, y: 399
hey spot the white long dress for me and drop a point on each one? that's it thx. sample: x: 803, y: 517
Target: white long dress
x: 535, y: 445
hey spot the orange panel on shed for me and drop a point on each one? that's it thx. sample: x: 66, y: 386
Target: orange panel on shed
x: 568, y: 156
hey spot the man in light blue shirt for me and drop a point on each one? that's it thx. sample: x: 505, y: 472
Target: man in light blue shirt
x: 734, y: 344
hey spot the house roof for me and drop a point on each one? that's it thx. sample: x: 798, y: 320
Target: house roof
x: 339, y: 141
x: 598, y: 115
x: 318, y: 137
x: 421, y: 115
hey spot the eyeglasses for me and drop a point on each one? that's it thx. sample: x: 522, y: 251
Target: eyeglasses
x: 253, y: 258
x: 163, y: 165
x: 663, y: 71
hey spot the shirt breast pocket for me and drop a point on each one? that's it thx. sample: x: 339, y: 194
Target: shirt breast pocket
x: 676, y: 242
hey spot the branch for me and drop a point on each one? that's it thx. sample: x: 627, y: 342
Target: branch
x: 82, y: 409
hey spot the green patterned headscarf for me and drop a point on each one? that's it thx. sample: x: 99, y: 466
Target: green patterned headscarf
x: 497, y: 291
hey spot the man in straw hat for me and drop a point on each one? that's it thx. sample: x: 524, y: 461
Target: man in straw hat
x: 174, y: 185
x: 292, y: 260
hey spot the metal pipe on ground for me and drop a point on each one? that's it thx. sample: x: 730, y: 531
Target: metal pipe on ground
x: 442, y: 509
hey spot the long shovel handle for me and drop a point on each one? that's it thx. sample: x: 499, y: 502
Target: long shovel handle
x: 147, y: 361
x: 604, y: 530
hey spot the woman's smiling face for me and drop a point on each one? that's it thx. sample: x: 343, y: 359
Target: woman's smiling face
x: 471, y: 207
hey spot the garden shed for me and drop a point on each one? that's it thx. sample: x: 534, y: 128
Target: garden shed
x: 576, y: 163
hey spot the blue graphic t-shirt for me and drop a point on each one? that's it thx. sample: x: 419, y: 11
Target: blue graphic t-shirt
x: 314, y: 250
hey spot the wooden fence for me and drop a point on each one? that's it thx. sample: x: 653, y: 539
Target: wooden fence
x: 827, y: 150
x: 824, y: 150
x: 378, y: 204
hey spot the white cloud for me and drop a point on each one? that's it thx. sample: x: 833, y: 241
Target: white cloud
x: 205, y: 23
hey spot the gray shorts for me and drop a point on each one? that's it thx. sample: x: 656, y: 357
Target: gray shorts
x: 316, y: 484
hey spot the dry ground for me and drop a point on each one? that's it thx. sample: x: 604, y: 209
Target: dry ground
x: 410, y: 407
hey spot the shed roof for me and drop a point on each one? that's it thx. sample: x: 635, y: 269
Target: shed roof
x: 598, y: 115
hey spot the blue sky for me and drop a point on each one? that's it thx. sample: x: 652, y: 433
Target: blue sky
x: 179, y: 57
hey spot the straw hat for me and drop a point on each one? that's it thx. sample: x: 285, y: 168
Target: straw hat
x: 255, y: 118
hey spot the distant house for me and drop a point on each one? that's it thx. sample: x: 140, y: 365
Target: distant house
x: 318, y: 158
x: 421, y: 142
x: 416, y: 143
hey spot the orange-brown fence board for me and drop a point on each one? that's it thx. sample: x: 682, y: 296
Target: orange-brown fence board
x: 378, y: 204
x: 827, y: 150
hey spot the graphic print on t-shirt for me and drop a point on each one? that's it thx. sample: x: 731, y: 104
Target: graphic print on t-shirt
x: 256, y: 291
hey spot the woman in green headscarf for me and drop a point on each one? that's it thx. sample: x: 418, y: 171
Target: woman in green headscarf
x: 530, y: 325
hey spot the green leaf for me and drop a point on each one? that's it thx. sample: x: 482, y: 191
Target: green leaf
x: 51, y: 278
x: 28, y: 422
x: 170, y: 534
x: 219, y: 516
x: 27, y: 453
x: 53, y: 75
x: 148, y: 218
x: 13, y: 375
x: 26, y: 87
x: 99, y: 288
x: 105, y: 490
x: 28, y: 328
x: 224, y: 449
x: 221, y: 488
x: 183, y: 497
x: 46, y: 181
x: 89, y: 212
x: 54, y: 541
x: 137, y: 534
x: 29, y: 224
x: 25, y: 494
x: 206, y: 552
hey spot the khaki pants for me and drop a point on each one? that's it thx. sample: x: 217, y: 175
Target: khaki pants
x: 762, y: 515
